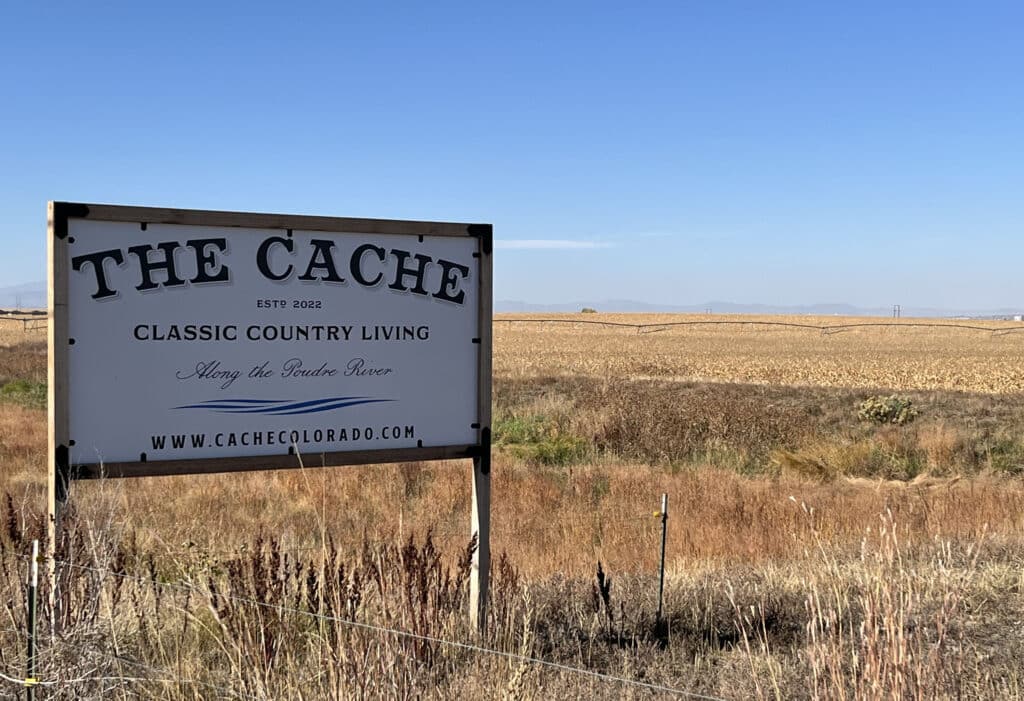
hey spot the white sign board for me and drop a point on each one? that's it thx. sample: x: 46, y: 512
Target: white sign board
x: 201, y: 336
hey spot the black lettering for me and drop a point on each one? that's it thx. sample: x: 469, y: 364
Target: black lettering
x: 263, y: 257
x: 148, y: 267
x: 206, y: 261
x: 96, y: 261
x: 356, y: 266
x: 449, y: 290
x: 322, y: 259
x: 401, y: 271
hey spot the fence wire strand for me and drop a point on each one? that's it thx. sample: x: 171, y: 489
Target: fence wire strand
x: 170, y: 679
x: 394, y: 632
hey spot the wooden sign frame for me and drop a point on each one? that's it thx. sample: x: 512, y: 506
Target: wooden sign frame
x: 61, y: 470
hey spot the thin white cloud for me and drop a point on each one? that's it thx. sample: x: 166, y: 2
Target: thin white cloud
x: 548, y: 244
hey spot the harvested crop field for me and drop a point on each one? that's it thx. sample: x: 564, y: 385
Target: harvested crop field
x: 896, y: 354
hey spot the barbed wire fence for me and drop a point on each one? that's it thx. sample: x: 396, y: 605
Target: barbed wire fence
x: 158, y: 675
x: 28, y: 323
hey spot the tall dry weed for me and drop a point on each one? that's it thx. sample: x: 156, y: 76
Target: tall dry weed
x: 890, y: 631
x: 943, y: 445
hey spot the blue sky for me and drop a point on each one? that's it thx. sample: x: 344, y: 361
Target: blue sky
x: 781, y: 153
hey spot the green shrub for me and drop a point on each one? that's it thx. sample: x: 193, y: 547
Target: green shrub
x: 556, y: 450
x: 1005, y: 455
x: 588, y: 310
x: 517, y: 429
x: 539, y: 440
x: 25, y: 392
x: 887, y: 410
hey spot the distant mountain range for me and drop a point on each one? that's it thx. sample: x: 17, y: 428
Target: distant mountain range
x: 32, y: 295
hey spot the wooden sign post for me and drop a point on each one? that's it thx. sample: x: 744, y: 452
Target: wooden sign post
x: 191, y: 342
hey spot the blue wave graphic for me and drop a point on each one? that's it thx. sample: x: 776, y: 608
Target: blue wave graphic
x: 236, y: 405
x: 331, y: 407
x: 280, y: 407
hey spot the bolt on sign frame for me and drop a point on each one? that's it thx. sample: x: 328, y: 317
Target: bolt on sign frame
x: 188, y: 342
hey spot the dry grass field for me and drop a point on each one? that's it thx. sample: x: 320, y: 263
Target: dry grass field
x: 812, y: 552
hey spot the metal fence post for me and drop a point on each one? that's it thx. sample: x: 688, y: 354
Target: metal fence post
x: 33, y: 587
x: 664, y: 531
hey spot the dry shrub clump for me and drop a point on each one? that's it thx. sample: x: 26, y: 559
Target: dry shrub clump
x: 648, y: 420
x: 814, y: 432
x: 258, y: 622
x: 943, y: 445
x: 21, y: 357
x: 667, y: 422
x: 266, y: 601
